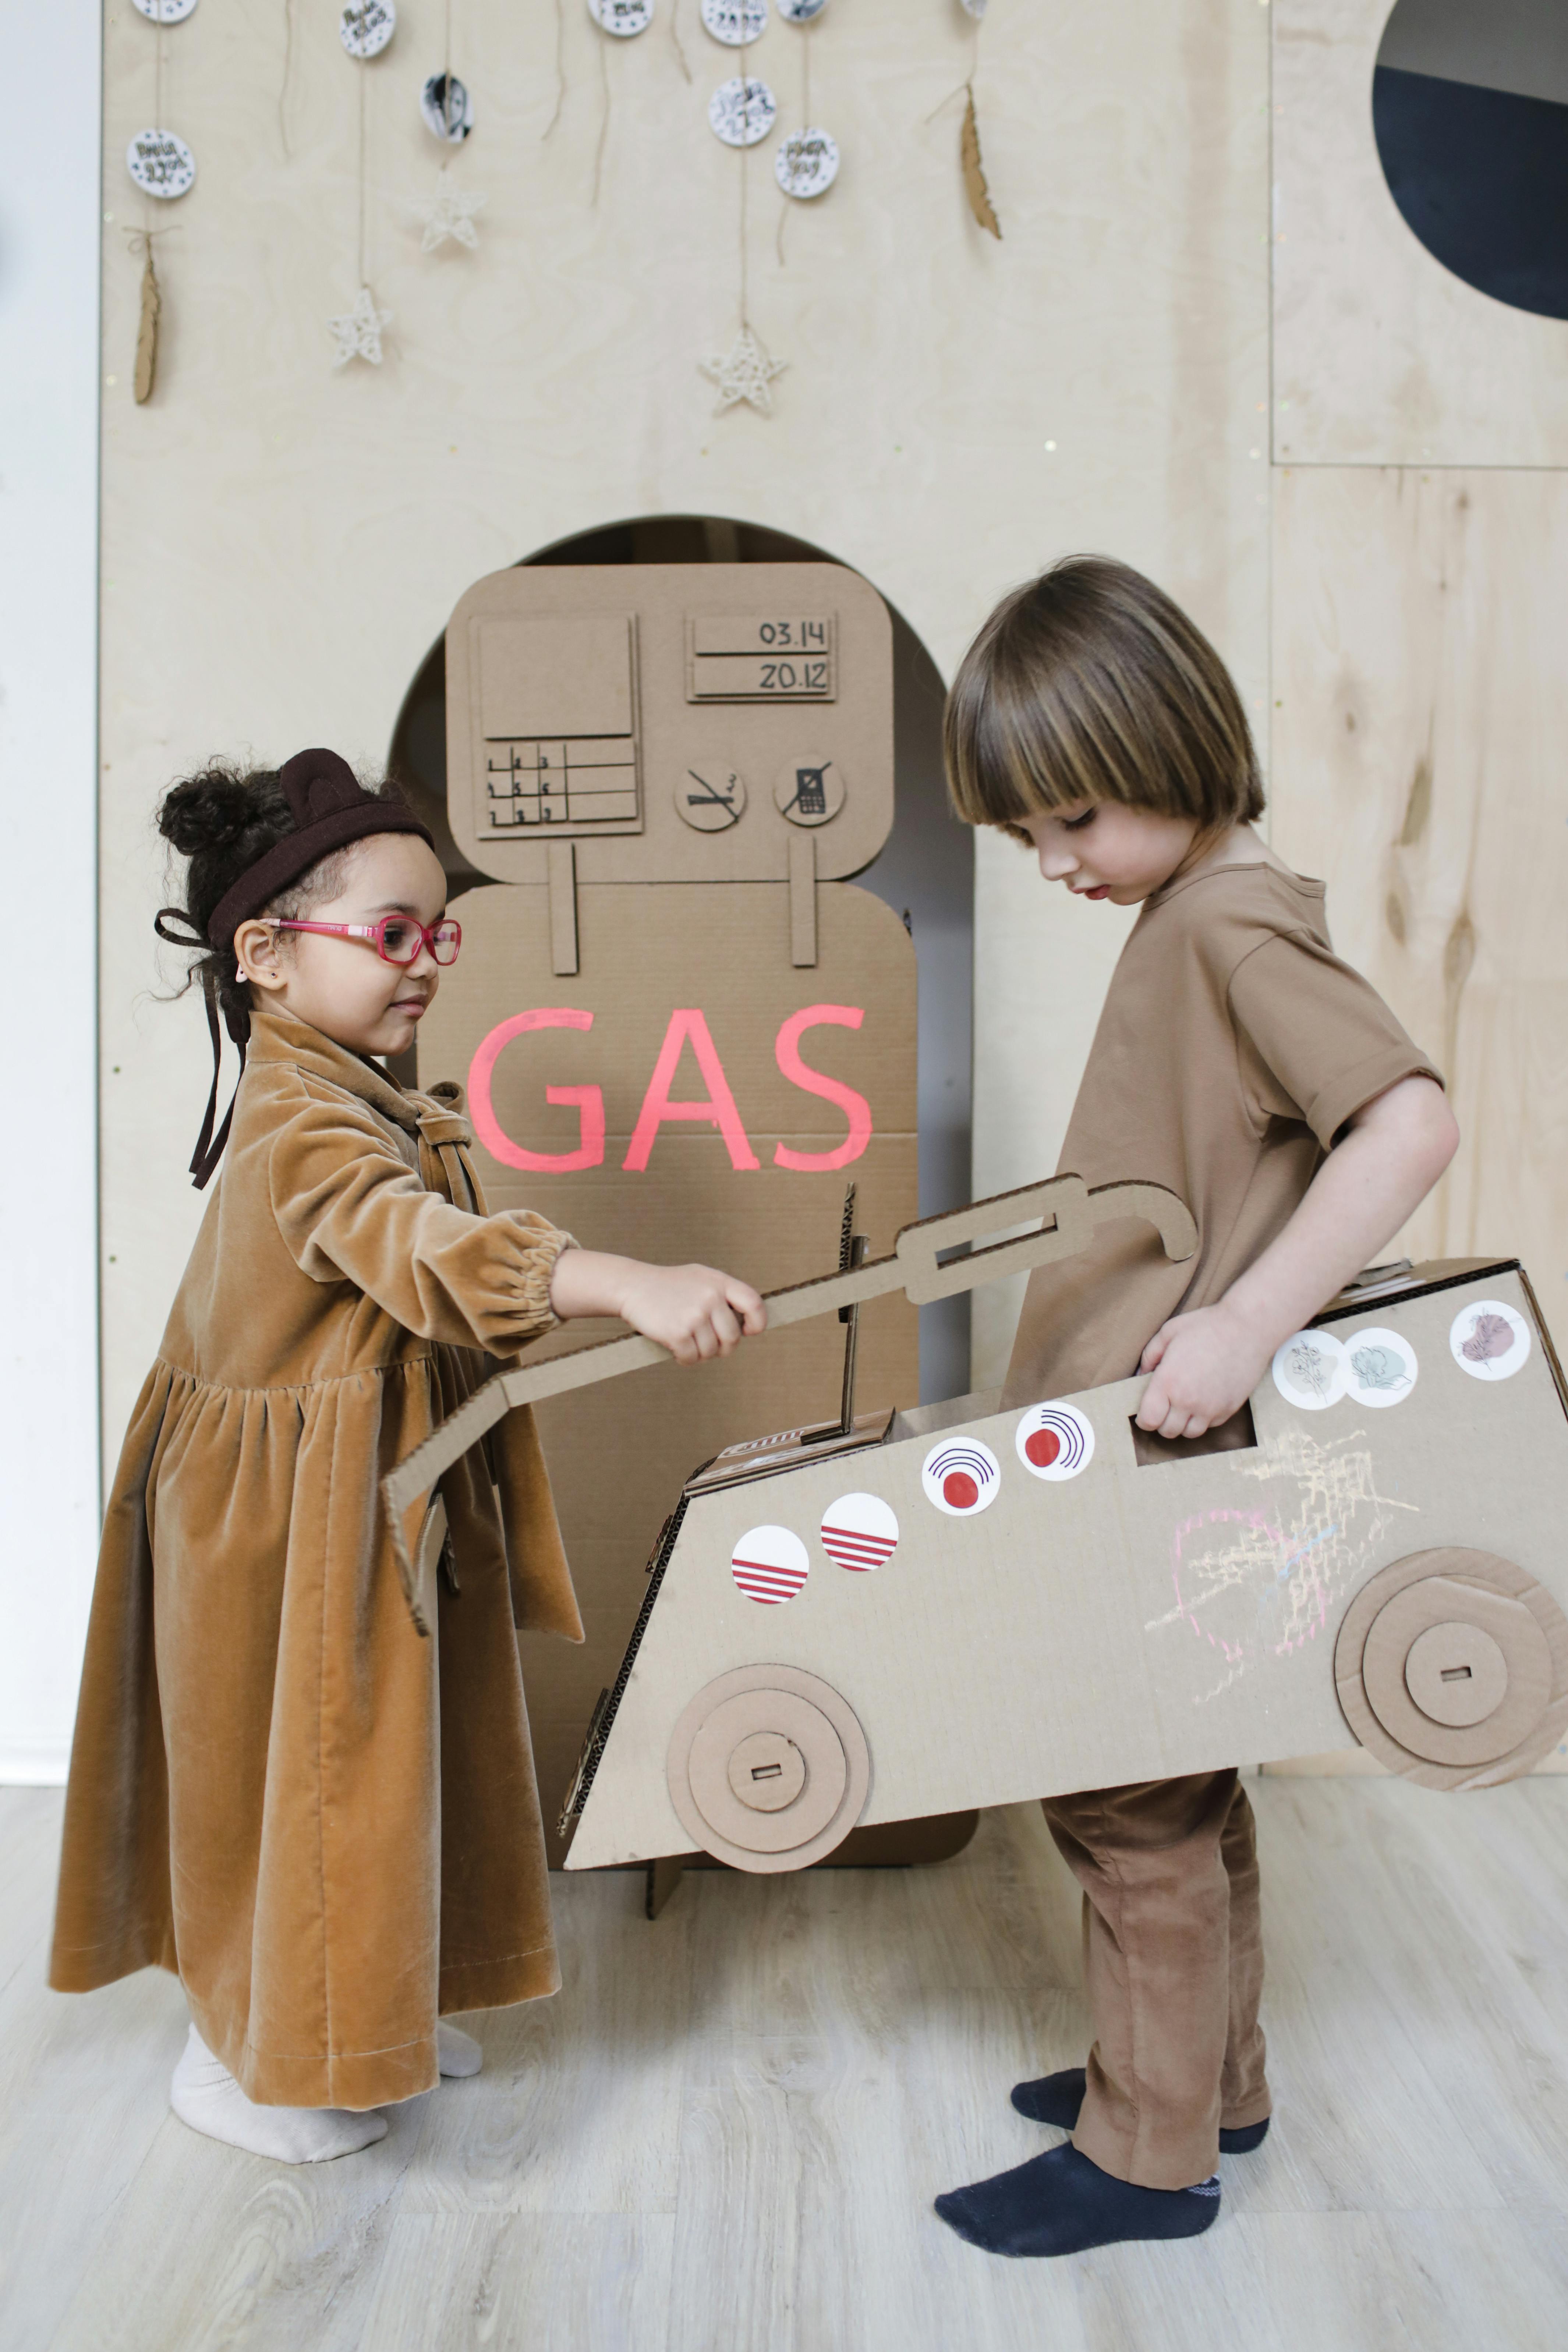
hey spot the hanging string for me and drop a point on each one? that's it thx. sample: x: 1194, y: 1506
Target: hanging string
x: 363, y: 76
x: 804, y: 124
x: 675, y: 37
x: 288, y: 69
x: 560, y: 69
x: 603, y: 45
x: 746, y: 151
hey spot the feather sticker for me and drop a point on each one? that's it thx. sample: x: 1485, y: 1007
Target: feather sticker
x: 974, y: 186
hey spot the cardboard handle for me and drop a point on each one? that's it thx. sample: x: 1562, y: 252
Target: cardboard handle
x: 915, y: 1267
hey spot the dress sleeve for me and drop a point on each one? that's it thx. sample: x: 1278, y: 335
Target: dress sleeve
x: 1318, y: 1042
x: 350, y: 1209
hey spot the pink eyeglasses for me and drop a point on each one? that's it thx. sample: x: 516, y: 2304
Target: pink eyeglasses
x: 398, y: 937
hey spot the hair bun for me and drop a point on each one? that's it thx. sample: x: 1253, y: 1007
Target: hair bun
x: 208, y: 812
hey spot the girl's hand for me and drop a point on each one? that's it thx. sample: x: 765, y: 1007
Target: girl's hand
x: 693, y: 1310
x: 1206, y: 1365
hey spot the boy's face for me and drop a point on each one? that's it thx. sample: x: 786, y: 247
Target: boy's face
x: 1102, y: 850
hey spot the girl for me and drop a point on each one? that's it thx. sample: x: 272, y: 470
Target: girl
x: 326, y: 1825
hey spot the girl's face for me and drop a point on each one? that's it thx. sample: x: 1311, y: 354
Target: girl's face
x: 1102, y: 850
x: 343, y: 987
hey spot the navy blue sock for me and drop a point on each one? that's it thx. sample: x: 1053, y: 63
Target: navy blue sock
x: 1060, y: 2203
x: 1057, y: 2098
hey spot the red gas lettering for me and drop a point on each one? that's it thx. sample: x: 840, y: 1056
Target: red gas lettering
x: 717, y: 1109
x: 588, y: 1101
x: 854, y: 1107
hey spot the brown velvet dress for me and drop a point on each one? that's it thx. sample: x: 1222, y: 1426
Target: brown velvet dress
x: 325, y: 1823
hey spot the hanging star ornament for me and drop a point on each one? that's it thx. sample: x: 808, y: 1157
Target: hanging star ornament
x: 358, y: 333
x: 744, y: 372
x: 449, y: 214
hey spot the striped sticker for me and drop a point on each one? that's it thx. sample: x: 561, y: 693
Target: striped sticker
x: 769, y: 1564
x: 860, y: 1532
x: 961, y: 1476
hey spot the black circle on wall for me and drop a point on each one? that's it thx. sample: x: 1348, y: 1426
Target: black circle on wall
x: 1470, y: 107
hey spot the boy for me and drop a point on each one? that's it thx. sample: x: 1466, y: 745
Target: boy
x: 1239, y: 1062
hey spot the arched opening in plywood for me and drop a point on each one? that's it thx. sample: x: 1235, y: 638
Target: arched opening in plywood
x: 925, y: 871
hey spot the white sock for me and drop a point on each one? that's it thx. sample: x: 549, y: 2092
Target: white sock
x: 456, y: 2053
x: 205, y: 2094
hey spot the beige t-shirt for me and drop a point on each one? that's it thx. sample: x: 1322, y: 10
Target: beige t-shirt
x: 1233, y: 1047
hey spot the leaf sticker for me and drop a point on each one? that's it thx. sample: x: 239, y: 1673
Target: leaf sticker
x: 1489, y: 1337
x: 974, y: 186
x: 147, y: 330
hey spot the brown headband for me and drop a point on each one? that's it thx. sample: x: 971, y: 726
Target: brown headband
x: 329, y: 808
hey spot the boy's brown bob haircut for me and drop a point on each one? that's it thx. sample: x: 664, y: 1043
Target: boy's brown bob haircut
x: 1090, y: 685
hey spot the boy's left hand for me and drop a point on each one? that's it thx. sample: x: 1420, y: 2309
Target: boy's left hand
x: 1206, y: 1365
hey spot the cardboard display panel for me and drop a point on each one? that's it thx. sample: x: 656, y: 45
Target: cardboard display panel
x: 1017, y: 1605
x: 687, y: 1094
x: 674, y: 722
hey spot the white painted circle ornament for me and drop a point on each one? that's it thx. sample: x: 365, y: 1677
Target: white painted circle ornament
x: 769, y: 1564
x: 860, y: 1532
x: 801, y: 11
x: 1490, y: 1340
x: 735, y: 22
x: 446, y: 109
x: 1055, y: 1440
x: 1380, y: 1366
x: 166, y: 12
x: 622, y: 17
x: 365, y: 26
x: 742, y: 111
x: 161, y: 164
x: 1310, y: 1371
x: 962, y: 1477
x: 807, y: 163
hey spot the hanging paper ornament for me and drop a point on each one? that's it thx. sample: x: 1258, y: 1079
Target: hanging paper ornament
x: 147, y: 323
x: 742, y: 111
x: 744, y: 372
x: 365, y: 26
x: 165, y: 12
x: 622, y: 17
x: 449, y: 214
x: 801, y: 11
x: 446, y: 109
x: 806, y: 162
x: 161, y: 164
x: 357, y: 332
x: 736, y: 22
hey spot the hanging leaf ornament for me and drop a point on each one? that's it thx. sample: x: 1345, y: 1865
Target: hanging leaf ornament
x: 147, y: 327
x: 974, y: 186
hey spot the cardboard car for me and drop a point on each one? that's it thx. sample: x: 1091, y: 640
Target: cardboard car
x: 918, y: 1612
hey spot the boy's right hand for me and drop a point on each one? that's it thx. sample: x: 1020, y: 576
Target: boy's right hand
x: 693, y: 1310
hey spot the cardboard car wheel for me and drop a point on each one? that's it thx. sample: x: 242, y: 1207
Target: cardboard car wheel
x: 1451, y: 1668
x: 768, y: 1768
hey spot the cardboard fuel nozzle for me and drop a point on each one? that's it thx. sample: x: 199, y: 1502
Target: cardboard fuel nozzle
x: 1069, y: 1212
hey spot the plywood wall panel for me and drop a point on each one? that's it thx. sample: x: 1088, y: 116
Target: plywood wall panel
x: 1420, y: 727
x: 1380, y: 355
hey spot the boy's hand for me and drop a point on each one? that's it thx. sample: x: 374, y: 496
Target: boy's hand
x: 1206, y: 1365
x: 692, y: 1310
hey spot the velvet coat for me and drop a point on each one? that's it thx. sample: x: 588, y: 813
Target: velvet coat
x: 326, y: 1823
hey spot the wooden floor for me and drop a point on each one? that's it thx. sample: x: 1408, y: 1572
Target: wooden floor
x: 726, y: 2132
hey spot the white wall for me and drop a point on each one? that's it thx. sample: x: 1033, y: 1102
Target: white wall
x: 48, y: 698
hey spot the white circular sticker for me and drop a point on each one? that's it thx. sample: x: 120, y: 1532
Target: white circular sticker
x: 1380, y: 1366
x: 1055, y: 1440
x: 735, y: 22
x: 446, y: 109
x: 1490, y: 1340
x: 769, y: 1564
x: 622, y: 17
x: 860, y: 1532
x: 961, y: 1476
x: 806, y: 162
x: 1310, y: 1371
x: 161, y: 164
x: 801, y: 11
x: 742, y: 111
x: 166, y: 12
x: 365, y: 26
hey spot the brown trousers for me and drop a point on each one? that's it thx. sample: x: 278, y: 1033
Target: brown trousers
x: 1173, y: 1966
